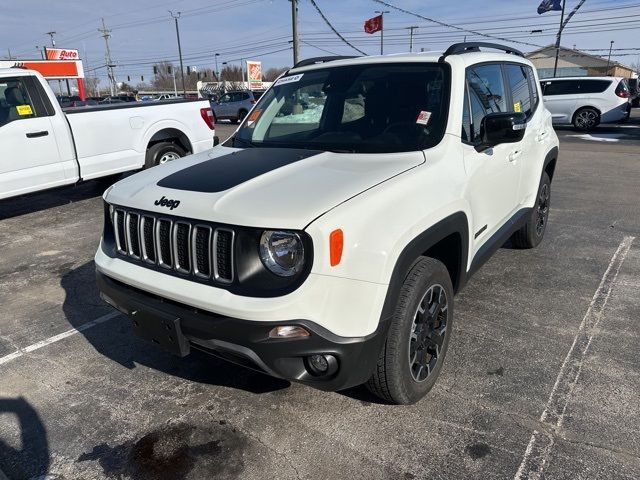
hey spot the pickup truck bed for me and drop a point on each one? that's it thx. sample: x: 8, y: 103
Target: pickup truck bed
x: 45, y: 147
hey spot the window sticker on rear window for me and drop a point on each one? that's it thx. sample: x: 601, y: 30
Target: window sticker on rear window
x: 423, y: 117
x: 289, y: 79
x: 24, y: 110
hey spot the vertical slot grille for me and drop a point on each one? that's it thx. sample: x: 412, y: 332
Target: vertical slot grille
x: 223, y: 244
x: 133, y: 232
x: 121, y: 237
x: 148, y: 240
x: 202, y: 251
x: 181, y: 247
x: 163, y: 242
x: 190, y: 248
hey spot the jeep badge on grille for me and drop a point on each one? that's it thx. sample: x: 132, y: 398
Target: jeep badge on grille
x: 164, y: 202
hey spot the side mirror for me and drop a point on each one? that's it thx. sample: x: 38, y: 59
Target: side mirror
x: 497, y: 128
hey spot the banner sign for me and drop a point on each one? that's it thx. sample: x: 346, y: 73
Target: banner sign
x: 50, y: 69
x: 254, y: 74
x: 62, y: 54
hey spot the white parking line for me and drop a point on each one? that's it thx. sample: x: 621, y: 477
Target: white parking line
x: 57, y: 338
x: 540, y: 445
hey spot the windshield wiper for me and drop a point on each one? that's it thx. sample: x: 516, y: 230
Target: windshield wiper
x: 246, y: 143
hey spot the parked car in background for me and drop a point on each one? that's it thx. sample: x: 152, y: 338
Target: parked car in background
x: 634, y: 91
x: 44, y: 147
x: 66, y: 101
x: 119, y: 99
x: 586, y: 102
x: 234, y: 106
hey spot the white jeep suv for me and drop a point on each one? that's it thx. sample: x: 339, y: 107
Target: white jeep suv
x: 324, y: 241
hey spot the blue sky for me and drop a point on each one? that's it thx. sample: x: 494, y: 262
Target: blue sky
x: 143, y: 31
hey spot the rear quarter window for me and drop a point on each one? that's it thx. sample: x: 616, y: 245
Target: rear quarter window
x: 594, y: 86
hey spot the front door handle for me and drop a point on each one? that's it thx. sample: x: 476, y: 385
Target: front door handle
x: 515, y: 155
x: 42, y: 133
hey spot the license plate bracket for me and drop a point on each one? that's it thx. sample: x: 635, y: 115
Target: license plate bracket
x: 161, y: 329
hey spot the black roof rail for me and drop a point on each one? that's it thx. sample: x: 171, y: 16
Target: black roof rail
x: 468, y: 47
x: 316, y: 60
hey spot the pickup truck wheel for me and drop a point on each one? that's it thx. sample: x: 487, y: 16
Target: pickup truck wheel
x: 586, y: 119
x: 530, y: 235
x: 418, y: 336
x: 162, y: 152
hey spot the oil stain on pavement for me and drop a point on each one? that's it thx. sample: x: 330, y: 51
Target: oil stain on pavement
x: 174, y: 452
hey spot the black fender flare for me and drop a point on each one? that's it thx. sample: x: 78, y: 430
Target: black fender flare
x: 456, y: 223
x: 552, y: 156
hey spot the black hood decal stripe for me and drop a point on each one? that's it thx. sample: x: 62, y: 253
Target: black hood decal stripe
x: 225, y: 172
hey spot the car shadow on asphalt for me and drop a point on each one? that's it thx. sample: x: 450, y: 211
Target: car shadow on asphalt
x: 115, y: 340
x: 35, y: 202
x: 31, y: 459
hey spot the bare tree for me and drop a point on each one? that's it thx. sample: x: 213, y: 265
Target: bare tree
x: 91, y: 86
x: 274, y: 72
x: 231, y: 73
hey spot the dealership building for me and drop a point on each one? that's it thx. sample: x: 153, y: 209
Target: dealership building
x: 575, y: 63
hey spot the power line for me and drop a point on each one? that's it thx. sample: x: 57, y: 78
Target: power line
x: 326, y: 20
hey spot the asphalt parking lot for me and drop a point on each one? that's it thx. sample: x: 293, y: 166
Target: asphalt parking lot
x: 542, y: 379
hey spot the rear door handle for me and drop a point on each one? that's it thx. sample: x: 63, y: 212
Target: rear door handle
x: 513, y: 156
x: 541, y: 136
x: 42, y: 133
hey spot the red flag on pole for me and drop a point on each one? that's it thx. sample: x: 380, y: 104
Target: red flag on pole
x: 373, y: 25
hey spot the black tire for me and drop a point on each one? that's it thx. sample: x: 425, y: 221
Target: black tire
x: 586, y: 119
x: 531, y: 234
x: 162, y: 152
x: 394, y: 378
x: 241, y: 115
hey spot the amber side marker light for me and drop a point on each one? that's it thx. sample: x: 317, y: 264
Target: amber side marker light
x: 336, y: 242
x: 288, y: 331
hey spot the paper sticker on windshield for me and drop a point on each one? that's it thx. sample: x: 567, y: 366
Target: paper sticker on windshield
x: 253, y: 117
x: 423, y: 117
x: 517, y: 107
x: 289, y: 79
x: 24, y: 109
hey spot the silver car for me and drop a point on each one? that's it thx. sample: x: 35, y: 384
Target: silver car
x: 234, y: 106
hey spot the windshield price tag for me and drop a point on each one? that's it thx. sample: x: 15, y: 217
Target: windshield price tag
x: 423, y: 117
x: 290, y: 79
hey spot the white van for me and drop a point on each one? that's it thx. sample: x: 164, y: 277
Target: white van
x: 586, y: 102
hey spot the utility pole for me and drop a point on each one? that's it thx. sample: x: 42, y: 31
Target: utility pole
x: 217, y: 73
x: 106, y: 34
x: 176, y: 17
x: 9, y: 51
x: 53, y: 44
x: 41, y: 52
x: 51, y: 34
x: 294, y: 26
x: 609, y: 57
x: 382, y: 12
x: 411, y: 29
x: 558, y: 37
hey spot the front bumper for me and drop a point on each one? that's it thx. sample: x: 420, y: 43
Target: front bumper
x: 246, y: 342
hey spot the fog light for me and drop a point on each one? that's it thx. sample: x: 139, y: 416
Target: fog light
x: 288, y: 331
x: 321, y: 365
x: 318, y: 363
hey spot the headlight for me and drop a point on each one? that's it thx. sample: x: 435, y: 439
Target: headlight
x: 282, y: 252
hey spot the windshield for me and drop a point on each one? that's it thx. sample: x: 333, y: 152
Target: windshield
x: 372, y: 108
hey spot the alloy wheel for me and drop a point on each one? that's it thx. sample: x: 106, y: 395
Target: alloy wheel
x: 428, y: 333
x: 542, y: 209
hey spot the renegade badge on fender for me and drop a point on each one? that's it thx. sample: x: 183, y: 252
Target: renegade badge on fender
x: 324, y: 241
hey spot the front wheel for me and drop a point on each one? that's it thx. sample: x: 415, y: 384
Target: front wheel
x: 586, y: 119
x: 530, y: 235
x: 418, y: 337
x: 163, y: 152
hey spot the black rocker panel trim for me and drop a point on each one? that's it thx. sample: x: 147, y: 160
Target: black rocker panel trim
x: 228, y: 171
x: 493, y: 243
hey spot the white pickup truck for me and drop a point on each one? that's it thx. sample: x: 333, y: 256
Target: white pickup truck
x: 43, y: 147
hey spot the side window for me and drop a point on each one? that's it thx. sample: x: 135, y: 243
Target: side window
x: 594, y: 86
x: 485, y: 94
x: 560, y: 87
x: 533, y: 86
x: 15, y: 102
x: 226, y: 98
x: 520, y: 93
x: 466, y: 117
